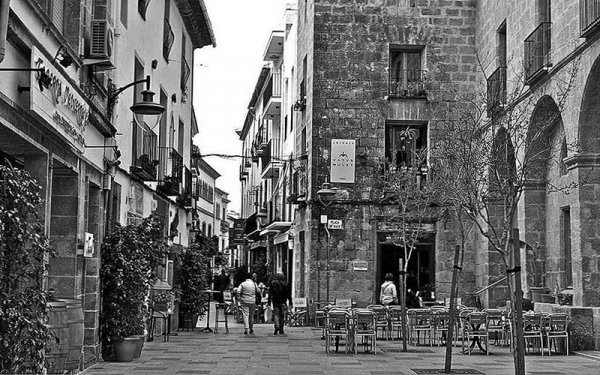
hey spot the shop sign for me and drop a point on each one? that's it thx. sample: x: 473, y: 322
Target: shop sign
x: 343, y: 160
x: 60, y: 104
x: 360, y: 265
x: 335, y: 224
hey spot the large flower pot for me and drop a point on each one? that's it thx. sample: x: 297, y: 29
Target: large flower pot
x: 125, y: 349
x: 139, y: 345
x: 536, y: 293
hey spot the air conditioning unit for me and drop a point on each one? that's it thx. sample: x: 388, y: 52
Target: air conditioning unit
x: 101, y: 40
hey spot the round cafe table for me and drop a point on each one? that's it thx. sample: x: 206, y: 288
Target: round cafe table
x: 210, y: 294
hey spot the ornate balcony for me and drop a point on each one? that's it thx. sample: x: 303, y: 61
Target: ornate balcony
x: 271, y: 159
x: 170, y: 171
x: 144, y: 153
x: 537, y: 52
x: 589, y: 16
x: 272, y: 95
x: 407, y: 84
x: 496, y: 91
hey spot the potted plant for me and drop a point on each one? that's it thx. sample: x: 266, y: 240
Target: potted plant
x: 162, y: 301
x: 130, y: 257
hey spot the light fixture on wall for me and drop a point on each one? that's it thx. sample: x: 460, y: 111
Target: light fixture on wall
x: 63, y: 57
x: 146, y: 107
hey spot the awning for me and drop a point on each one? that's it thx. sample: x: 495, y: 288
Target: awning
x: 250, y: 224
x: 282, y: 238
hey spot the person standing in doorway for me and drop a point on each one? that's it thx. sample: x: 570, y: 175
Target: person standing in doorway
x: 388, y: 293
x: 279, y: 294
x: 246, y: 295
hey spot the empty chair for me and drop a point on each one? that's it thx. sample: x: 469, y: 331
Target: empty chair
x: 395, y: 321
x: 532, y: 331
x: 419, y: 320
x: 364, y: 323
x: 337, y: 327
x: 476, y: 331
x: 382, y: 319
x: 557, y: 328
x: 441, y: 319
x: 497, y: 325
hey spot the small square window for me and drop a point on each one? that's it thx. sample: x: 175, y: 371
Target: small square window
x: 406, y: 77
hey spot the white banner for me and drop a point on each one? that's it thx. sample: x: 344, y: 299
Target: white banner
x: 343, y: 161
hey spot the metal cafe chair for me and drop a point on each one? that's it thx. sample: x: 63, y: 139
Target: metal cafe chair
x: 557, y: 327
x: 419, y: 320
x: 395, y: 321
x: 441, y: 319
x: 497, y: 325
x: 533, y: 330
x: 337, y: 328
x: 382, y: 319
x: 364, y: 325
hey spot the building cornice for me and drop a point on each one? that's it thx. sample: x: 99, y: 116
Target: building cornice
x: 197, y: 23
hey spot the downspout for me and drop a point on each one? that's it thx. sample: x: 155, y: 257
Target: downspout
x: 4, y: 10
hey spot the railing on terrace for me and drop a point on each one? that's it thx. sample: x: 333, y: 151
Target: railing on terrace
x: 272, y: 153
x: 537, y: 52
x: 407, y: 84
x: 273, y: 89
x: 186, y: 196
x: 496, y: 90
x: 170, y: 170
x: 145, y: 157
x: 589, y: 16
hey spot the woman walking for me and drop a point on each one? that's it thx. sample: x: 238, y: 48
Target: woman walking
x: 388, y: 293
x: 246, y: 294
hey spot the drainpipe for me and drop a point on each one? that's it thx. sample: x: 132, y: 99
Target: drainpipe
x: 4, y: 10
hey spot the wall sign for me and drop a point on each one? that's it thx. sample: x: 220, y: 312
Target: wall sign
x: 60, y: 104
x: 335, y: 224
x: 343, y: 160
x: 88, y: 246
x: 360, y: 265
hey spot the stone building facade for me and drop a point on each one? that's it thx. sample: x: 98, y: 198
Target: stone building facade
x: 381, y: 76
x: 64, y: 124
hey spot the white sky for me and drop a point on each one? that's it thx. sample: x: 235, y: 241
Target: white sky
x: 224, y: 79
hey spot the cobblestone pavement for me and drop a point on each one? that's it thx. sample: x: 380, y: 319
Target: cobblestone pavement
x: 301, y: 351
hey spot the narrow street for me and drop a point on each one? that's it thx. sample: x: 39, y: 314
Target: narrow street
x: 301, y: 351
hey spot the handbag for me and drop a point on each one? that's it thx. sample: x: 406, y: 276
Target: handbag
x: 257, y: 295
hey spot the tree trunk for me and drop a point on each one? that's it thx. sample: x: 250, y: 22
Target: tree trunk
x: 453, y: 290
x: 517, y: 298
x: 402, y: 300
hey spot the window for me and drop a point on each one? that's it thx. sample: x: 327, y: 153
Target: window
x: 164, y: 121
x: 406, y: 74
x: 123, y: 15
x: 565, y: 240
x: 209, y: 230
x: 563, y: 156
x: 218, y: 211
x: 185, y: 69
x: 224, y: 213
x: 168, y: 35
x: 405, y: 144
x: 142, y: 7
x: 180, y: 136
x: 544, y: 10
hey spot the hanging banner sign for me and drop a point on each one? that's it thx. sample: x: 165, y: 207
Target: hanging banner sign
x: 343, y: 160
x: 59, y: 104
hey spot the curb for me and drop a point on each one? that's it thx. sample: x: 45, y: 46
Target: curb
x: 593, y: 355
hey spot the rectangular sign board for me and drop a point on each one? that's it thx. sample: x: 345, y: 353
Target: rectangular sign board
x: 343, y: 160
x: 335, y: 224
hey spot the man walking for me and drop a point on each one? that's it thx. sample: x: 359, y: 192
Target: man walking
x: 279, y: 293
x: 221, y: 283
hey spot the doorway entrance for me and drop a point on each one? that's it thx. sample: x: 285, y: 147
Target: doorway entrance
x: 420, y: 271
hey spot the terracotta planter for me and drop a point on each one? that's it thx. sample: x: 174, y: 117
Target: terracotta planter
x: 139, y: 345
x: 124, y: 350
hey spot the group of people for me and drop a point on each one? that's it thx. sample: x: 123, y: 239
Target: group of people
x: 247, y: 293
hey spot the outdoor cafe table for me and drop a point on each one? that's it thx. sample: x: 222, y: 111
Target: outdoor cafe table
x: 210, y: 294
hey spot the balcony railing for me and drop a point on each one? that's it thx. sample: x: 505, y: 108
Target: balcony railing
x: 407, y: 84
x: 537, y: 52
x: 145, y: 157
x: 186, y: 196
x: 272, y: 153
x: 496, y: 90
x: 170, y: 171
x: 589, y: 16
x: 273, y: 88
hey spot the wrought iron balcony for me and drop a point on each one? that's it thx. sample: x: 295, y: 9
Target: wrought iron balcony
x: 170, y: 171
x: 407, y: 84
x: 272, y: 95
x: 271, y: 159
x: 496, y: 90
x: 144, y: 153
x: 185, y: 198
x: 589, y: 16
x: 537, y: 52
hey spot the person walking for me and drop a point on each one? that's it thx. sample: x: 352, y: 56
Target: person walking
x: 388, y: 293
x: 279, y: 294
x: 246, y: 295
x: 221, y: 283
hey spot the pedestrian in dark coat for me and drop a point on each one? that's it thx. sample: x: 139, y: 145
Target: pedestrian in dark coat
x: 279, y: 294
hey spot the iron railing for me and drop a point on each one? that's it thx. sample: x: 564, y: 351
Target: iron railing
x: 496, y: 90
x: 537, y: 52
x: 272, y: 153
x: 170, y: 170
x: 273, y: 88
x: 589, y: 16
x: 145, y: 158
x: 186, y: 196
x: 407, y: 84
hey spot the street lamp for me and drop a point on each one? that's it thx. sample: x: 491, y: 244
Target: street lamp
x: 326, y: 192
x: 146, y: 107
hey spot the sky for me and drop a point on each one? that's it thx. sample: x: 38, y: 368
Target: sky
x: 224, y: 79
